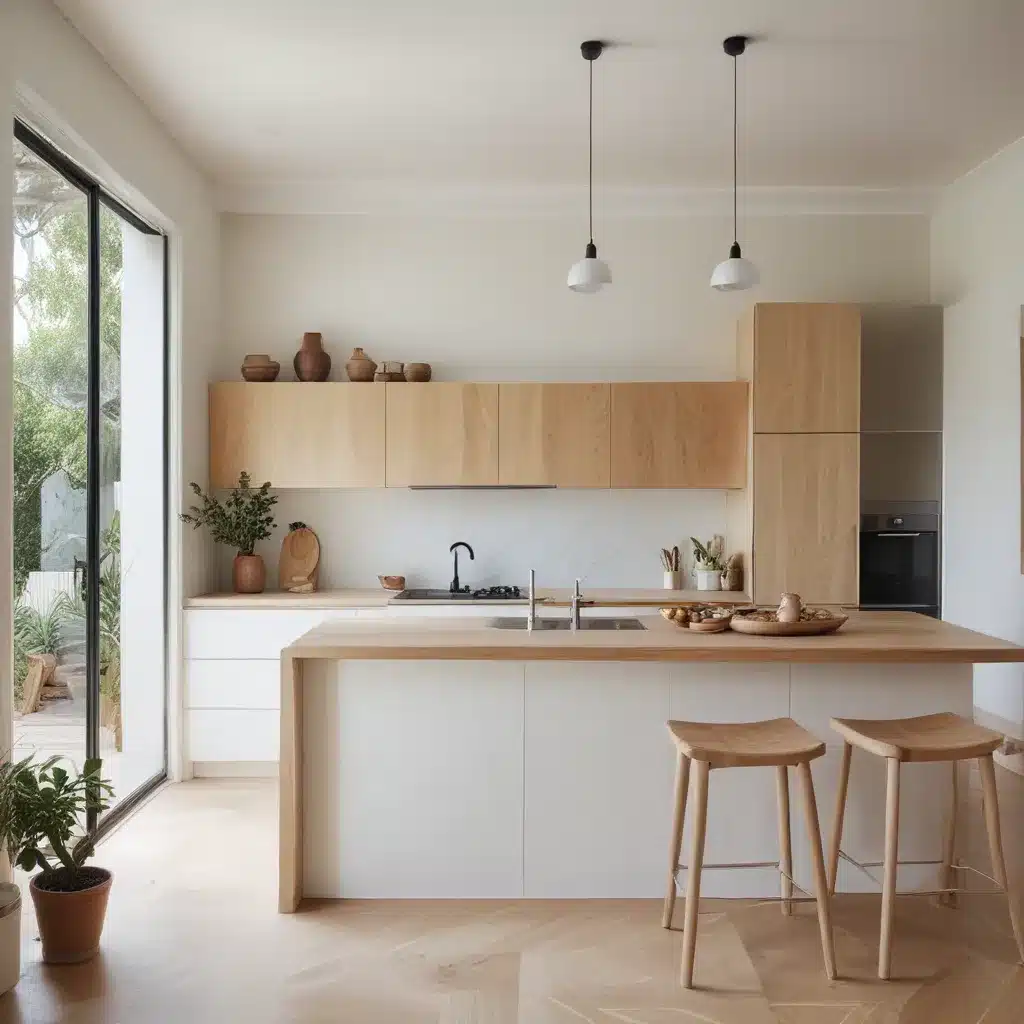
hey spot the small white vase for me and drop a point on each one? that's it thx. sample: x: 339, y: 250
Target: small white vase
x: 673, y: 579
x: 708, y: 579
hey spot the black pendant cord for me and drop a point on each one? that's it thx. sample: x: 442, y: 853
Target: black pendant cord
x: 735, y: 164
x: 590, y: 156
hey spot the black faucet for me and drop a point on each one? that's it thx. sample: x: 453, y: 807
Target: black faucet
x: 454, y: 549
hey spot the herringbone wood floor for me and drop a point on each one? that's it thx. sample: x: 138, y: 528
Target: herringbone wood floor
x: 192, y: 937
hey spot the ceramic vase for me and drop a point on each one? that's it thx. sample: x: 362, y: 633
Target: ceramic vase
x: 248, y: 574
x: 311, y: 362
x: 673, y: 579
x: 360, y: 367
x: 708, y: 579
x: 417, y: 371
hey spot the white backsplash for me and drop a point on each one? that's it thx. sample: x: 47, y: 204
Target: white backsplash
x: 608, y: 538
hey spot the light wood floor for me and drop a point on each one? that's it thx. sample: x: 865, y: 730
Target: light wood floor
x: 192, y: 937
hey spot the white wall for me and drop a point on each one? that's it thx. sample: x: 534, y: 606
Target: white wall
x: 978, y: 275
x: 50, y: 75
x: 485, y: 298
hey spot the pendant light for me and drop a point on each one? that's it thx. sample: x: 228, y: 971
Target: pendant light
x: 735, y: 273
x: 590, y: 273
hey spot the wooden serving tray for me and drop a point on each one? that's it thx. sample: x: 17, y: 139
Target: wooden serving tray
x: 810, y: 627
x: 709, y: 626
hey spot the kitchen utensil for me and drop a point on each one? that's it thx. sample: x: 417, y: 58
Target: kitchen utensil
x: 806, y: 627
x: 298, y: 569
x: 392, y: 582
x: 259, y: 368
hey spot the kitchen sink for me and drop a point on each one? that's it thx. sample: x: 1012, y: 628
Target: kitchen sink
x: 519, y: 622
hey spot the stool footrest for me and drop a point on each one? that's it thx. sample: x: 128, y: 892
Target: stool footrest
x: 863, y: 866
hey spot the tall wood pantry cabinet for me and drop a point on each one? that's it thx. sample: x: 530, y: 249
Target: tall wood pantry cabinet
x: 800, y: 515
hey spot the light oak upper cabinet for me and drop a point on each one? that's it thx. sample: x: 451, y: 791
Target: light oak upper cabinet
x: 554, y: 434
x: 679, y: 435
x: 806, y: 367
x: 805, y: 515
x: 297, y: 434
x: 442, y: 434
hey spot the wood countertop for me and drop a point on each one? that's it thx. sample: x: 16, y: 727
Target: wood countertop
x: 868, y: 637
x: 550, y: 596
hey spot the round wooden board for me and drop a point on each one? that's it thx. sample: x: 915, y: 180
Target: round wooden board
x: 810, y: 627
x: 300, y: 559
x: 710, y: 626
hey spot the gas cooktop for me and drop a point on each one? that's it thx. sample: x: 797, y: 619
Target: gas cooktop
x: 484, y: 594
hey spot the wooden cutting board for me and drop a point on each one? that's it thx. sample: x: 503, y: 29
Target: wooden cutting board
x: 299, y: 567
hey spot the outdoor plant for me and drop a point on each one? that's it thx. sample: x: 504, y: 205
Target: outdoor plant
x: 42, y: 810
x: 242, y: 520
x: 708, y: 557
x: 37, y: 632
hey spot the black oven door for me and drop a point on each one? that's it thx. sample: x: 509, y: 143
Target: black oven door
x: 899, y: 570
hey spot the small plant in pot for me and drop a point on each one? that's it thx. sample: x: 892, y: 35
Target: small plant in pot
x: 708, y: 563
x: 240, y: 522
x: 48, y: 807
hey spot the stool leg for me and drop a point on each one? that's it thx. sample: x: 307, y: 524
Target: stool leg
x: 700, y: 822
x: 818, y: 866
x: 676, y: 843
x: 892, y: 841
x: 785, y: 839
x: 837, y: 821
x: 947, y: 876
x: 995, y: 843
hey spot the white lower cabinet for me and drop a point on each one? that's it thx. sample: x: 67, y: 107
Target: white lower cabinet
x: 233, y: 735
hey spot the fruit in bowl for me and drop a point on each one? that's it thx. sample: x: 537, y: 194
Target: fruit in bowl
x: 392, y: 582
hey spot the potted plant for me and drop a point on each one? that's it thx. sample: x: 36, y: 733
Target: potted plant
x: 45, y: 831
x: 708, y: 564
x: 239, y: 522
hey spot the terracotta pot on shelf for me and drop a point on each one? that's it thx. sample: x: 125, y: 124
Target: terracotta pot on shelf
x: 311, y: 362
x: 260, y: 369
x: 70, y: 923
x: 417, y: 372
x: 248, y: 574
x: 360, y: 367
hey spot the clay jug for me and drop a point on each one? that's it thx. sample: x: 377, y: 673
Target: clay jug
x: 311, y: 362
x: 360, y: 367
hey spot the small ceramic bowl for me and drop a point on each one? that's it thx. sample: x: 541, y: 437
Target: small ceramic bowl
x: 392, y: 582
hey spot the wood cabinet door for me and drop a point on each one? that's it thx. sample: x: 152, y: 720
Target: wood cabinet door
x: 442, y: 434
x: 806, y: 513
x: 690, y: 434
x: 806, y: 369
x: 554, y: 434
x: 297, y: 434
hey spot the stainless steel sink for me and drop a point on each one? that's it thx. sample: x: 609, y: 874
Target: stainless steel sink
x: 519, y: 622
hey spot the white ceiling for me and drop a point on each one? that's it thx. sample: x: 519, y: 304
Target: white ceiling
x: 862, y: 93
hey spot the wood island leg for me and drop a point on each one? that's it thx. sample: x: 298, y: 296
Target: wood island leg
x: 678, y: 816
x: 785, y: 839
x: 290, y: 856
x: 692, y: 909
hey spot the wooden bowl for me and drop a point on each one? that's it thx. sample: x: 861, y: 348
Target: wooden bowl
x: 710, y: 626
x: 392, y: 582
x: 807, y: 627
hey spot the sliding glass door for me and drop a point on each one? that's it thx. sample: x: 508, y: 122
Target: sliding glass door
x: 89, y: 467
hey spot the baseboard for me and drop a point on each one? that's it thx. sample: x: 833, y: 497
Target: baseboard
x: 1013, y: 762
x: 234, y: 769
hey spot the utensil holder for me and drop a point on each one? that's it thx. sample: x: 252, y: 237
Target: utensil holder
x: 673, y: 579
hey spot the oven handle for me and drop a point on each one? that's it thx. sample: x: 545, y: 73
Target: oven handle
x: 918, y: 534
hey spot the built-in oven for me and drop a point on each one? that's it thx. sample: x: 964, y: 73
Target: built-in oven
x: 899, y: 562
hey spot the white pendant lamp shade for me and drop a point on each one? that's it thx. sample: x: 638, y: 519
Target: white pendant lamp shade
x: 590, y: 274
x: 736, y: 273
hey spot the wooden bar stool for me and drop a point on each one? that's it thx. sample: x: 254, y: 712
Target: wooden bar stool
x: 777, y: 743
x: 942, y: 737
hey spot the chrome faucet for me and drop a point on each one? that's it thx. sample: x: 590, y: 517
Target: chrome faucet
x: 531, y: 613
x: 574, y: 608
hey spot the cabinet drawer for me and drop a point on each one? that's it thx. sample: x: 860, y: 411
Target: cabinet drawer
x: 222, y: 683
x: 226, y: 735
x: 248, y: 634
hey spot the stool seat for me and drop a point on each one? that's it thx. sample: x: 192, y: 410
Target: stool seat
x: 778, y: 741
x: 942, y: 737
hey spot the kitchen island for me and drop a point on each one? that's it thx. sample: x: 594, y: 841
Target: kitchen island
x: 449, y: 759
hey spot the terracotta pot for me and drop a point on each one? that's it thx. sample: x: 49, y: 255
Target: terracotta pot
x: 311, y: 362
x: 360, y: 366
x: 70, y: 923
x: 417, y: 371
x: 260, y: 369
x: 248, y: 574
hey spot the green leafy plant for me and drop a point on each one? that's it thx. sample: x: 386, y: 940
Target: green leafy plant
x: 44, y: 807
x: 239, y: 522
x: 708, y: 557
x: 37, y: 632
